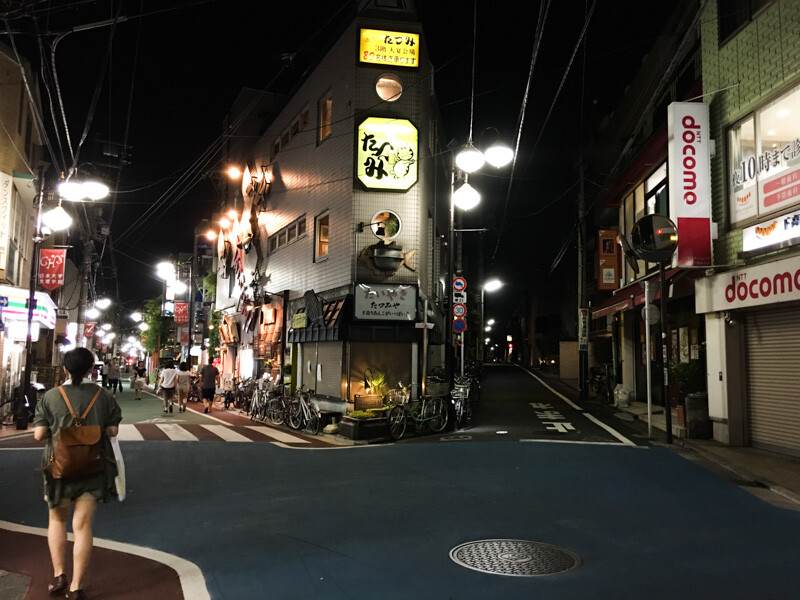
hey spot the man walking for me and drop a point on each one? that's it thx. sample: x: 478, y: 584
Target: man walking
x: 167, y: 381
x: 208, y: 384
x: 113, y: 376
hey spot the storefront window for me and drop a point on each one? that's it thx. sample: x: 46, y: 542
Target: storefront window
x: 321, y: 235
x: 764, y: 160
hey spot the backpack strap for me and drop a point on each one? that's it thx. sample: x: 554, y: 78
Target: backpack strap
x: 72, y: 410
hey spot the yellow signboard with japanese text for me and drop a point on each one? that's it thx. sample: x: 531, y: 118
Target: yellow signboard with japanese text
x: 392, y: 48
x: 386, y: 156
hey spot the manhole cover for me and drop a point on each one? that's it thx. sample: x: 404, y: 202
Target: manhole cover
x: 517, y: 558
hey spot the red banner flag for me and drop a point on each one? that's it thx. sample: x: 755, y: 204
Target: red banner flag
x: 88, y: 330
x: 51, y: 268
x: 181, y: 313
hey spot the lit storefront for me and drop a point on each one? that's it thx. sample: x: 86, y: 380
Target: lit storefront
x: 14, y: 332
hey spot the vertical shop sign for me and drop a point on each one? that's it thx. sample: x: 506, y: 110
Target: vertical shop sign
x: 690, y: 181
x: 5, y: 218
x: 51, y: 268
x: 608, y: 259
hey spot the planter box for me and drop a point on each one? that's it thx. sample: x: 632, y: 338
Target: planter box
x: 366, y: 402
x: 364, y: 429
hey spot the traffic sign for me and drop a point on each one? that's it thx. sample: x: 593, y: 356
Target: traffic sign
x: 459, y: 297
x: 3, y: 301
x: 459, y: 310
x: 459, y: 325
x: 459, y: 284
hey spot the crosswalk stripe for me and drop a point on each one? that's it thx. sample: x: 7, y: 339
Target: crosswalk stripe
x: 177, y: 433
x: 278, y: 435
x: 226, y: 433
x: 129, y: 433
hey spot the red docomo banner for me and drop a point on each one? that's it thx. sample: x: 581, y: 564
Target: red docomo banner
x: 51, y: 268
x: 181, y: 313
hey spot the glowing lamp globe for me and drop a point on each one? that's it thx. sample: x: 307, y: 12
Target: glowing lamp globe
x: 466, y: 197
x: 469, y: 159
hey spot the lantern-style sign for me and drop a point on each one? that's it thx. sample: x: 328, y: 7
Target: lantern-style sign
x: 387, y: 154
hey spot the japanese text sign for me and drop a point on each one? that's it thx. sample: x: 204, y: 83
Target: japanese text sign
x: 389, y: 48
x: 387, y: 154
x: 181, y: 313
x: 51, y: 268
x: 384, y: 302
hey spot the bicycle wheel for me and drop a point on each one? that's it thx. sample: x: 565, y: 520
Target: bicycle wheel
x: 437, y: 413
x: 254, y: 407
x: 313, y: 419
x: 263, y: 408
x: 276, y: 411
x: 295, y: 415
x: 397, y: 422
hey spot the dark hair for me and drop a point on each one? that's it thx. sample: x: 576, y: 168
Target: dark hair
x: 184, y: 366
x: 78, y: 362
x: 169, y: 365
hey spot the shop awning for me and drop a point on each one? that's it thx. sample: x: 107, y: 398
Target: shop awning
x: 329, y: 328
x: 26, y: 186
x: 679, y: 281
x: 44, y: 313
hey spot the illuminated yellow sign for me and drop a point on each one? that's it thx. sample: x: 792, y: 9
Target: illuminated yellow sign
x: 387, y: 153
x: 392, y: 48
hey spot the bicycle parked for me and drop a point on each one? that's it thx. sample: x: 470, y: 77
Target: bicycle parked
x: 460, y: 397
x: 429, y: 411
x: 302, y: 412
x: 599, y: 384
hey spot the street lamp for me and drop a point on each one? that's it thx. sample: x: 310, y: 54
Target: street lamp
x: 491, y: 285
x: 469, y: 159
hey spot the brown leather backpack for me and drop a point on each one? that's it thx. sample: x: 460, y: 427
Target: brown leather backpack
x: 78, y: 447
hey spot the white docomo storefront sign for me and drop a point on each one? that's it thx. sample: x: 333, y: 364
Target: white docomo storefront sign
x: 690, y: 180
x: 754, y: 286
x: 383, y: 302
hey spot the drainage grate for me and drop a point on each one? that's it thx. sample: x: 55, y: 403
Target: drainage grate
x: 516, y: 558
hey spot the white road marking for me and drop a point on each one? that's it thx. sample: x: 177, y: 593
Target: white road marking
x: 585, y: 442
x: 562, y: 396
x: 227, y: 433
x: 177, y: 433
x: 129, y: 433
x: 191, y: 577
x: 610, y: 430
x: 278, y: 435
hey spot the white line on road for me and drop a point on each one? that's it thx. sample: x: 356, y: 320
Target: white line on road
x: 585, y: 442
x: 610, y: 430
x: 562, y: 396
x: 189, y: 574
x: 278, y: 435
x: 177, y: 433
x: 129, y: 433
x: 227, y: 433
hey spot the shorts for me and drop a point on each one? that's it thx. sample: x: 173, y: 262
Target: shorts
x: 169, y: 393
x: 139, y: 383
x: 183, y: 392
x: 209, y: 393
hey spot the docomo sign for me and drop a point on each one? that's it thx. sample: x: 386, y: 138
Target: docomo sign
x: 690, y: 181
x: 755, y: 286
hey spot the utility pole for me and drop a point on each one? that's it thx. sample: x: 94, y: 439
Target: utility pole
x: 583, y: 323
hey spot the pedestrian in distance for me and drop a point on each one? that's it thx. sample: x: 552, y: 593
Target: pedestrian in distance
x: 209, y: 375
x: 79, y: 494
x: 138, y: 376
x: 167, y: 381
x: 113, y: 376
x: 104, y: 373
x: 183, y: 385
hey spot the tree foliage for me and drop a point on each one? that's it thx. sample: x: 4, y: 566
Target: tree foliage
x: 160, y: 330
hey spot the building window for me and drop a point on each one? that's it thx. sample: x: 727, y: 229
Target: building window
x: 273, y: 243
x: 304, y: 118
x: 287, y: 235
x: 301, y: 226
x: 388, y: 88
x: 764, y: 160
x: 735, y: 14
x: 276, y: 147
x: 285, y: 139
x: 324, y: 120
x: 321, y: 237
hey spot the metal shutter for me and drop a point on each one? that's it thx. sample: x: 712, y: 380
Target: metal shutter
x: 773, y: 361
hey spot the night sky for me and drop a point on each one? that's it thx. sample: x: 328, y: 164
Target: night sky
x: 181, y: 65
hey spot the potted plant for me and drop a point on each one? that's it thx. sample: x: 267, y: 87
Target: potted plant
x: 374, y: 384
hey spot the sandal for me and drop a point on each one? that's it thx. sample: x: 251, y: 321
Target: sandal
x: 58, y: 585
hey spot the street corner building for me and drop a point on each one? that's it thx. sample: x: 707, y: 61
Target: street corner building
x: 330, y: 262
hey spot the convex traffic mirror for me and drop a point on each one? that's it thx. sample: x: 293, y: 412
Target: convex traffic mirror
x: 654, y: 238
